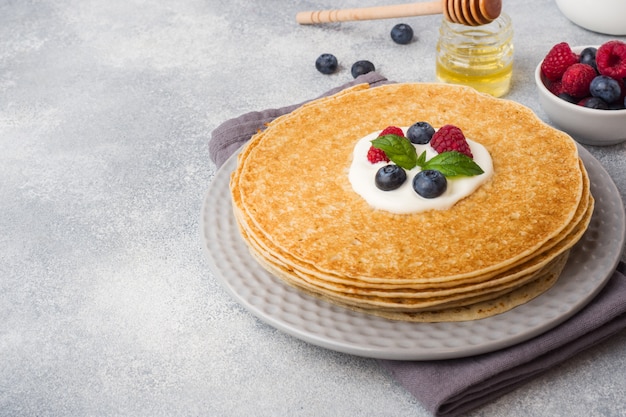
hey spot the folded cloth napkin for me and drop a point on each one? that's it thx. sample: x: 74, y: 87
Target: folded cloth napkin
x: 453, y: 387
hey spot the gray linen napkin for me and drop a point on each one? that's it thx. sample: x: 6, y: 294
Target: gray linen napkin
x: 452, y: 387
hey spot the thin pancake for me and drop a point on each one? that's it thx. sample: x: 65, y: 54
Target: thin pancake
x: 293, y: 187
x: 501, y: 246
x: 551, y: 249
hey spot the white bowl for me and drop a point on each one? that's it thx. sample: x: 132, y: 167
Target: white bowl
x: 585, y: 125
x: 602, y: 16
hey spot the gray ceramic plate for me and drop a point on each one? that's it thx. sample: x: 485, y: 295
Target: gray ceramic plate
x: 589, y: 267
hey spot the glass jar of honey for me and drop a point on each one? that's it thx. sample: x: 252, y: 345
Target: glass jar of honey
x: 477, y: 56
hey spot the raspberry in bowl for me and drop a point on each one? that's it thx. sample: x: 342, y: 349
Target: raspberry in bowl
x: 581, y: 89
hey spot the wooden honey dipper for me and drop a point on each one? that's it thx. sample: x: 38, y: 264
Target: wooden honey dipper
x: 465, y: 12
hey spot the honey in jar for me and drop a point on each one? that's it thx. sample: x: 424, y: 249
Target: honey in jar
x: 477, y: 56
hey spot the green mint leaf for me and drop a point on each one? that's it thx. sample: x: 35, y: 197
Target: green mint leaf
x: 398, y: 149
x: 453, y: 164
x: 421, y: 160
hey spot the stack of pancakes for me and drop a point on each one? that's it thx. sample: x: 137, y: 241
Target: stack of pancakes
x: 501, y: 246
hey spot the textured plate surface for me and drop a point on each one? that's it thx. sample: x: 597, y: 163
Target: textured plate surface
x: 590, y: 265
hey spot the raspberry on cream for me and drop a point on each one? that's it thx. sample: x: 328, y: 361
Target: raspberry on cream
x: 404, y: 199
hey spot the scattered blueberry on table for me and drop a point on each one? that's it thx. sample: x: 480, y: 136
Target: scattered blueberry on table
x: 402, y: 33
x: 362, y: 67
x: 326, y: 63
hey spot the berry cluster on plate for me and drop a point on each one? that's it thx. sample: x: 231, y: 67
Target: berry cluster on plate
x: 594, y: 78
x: 392, y: 146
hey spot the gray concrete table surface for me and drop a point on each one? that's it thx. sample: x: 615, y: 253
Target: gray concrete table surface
x: 107, y: 304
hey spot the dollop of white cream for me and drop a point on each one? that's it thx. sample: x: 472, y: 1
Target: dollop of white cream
x: 404, y: 200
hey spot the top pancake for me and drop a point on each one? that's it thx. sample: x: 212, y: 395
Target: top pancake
x: 292, y: 183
